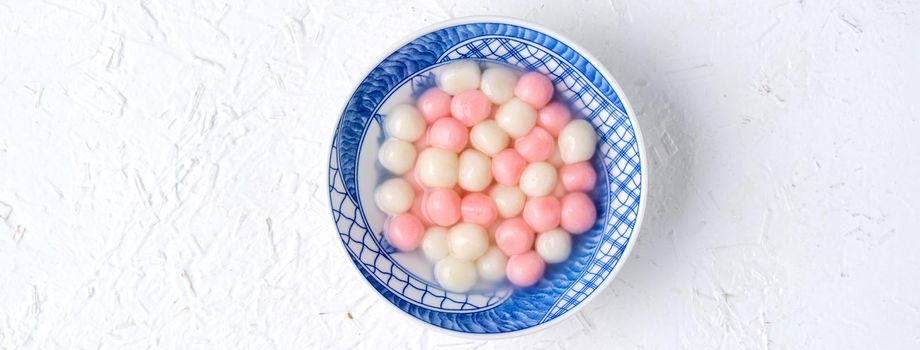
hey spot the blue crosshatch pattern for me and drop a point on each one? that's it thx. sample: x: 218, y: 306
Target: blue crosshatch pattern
x: 617, y: 196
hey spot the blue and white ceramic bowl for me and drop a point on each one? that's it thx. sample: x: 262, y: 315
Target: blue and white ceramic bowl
x: 405, y: 280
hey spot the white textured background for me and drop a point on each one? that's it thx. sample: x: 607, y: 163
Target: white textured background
x: 162, y: 173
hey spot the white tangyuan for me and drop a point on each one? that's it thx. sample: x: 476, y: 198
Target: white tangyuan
x: 538, y: 179
x: 459, y: 76
x: 455, y: 275
x: 488, y: 137
x: 554, y: 245
x: 467, y: 241
x: 509, y: 200
x: 396, y: 155
x: 516, y: 117
x: 577, y: 141
x: 475, y: 171
x: 491, y: 265
x: 405, y: 123
x: 394, y: 196
x: 498, y: 84
x: 434, y: 244
x: 437, y: 168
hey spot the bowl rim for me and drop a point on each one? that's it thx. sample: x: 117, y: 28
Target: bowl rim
x: 643, y: 195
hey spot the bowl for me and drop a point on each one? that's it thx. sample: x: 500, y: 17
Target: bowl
x: 405, y: 280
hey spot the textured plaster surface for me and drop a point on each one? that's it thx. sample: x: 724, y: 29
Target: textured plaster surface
x: 162, y: 173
